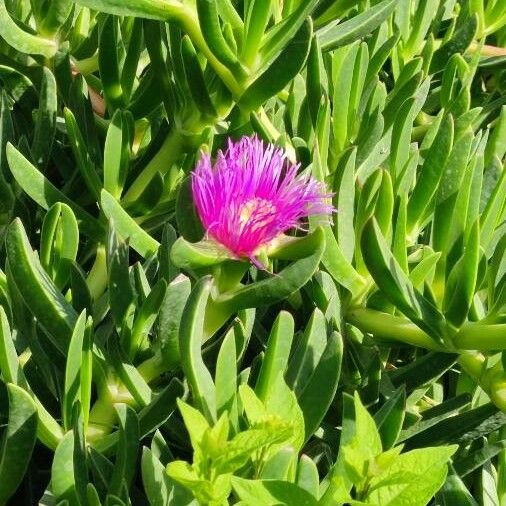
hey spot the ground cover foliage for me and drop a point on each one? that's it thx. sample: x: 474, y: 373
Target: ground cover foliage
x: 360, y: 361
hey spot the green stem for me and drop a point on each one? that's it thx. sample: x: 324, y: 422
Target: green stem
x: 479, y: 336
x: 102, y: 419
x: 389, y: 327
x: 471, y: 336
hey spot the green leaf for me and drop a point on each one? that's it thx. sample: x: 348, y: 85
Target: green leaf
x: 150, y: 9
x: 461, y: 428
x: 307, y: 352
x: 45, y: 123
x: 21, y: 40
x: 425, y: 369
x: 126, y: 226
x: 281, y: 71
x: 477, y: 458
x: 59, y: 243
x: 344, y: 185
x: 108, y: 63
x: 191, y: 337
x: 169, y: 319
x: 307, y: 476
x: 319, y: 390
x: 126, y: 457
x: 271, y: 493
x: 390, y: 417
x: 46, y: 194
x: 338, y: 267
x: 9, y: 363
x: 276, y: 354
x: 258, y: 15
x: 226, y: 378
x: 160, y: 489
x: 196, y: 80
x: 282, y: 33
x: 430, y: 174
x: 160, y: 408
x: 462, y: 281
x: 412, y: 478
x: 48, y: 430
x: 339, y: 33
x: 72, y: 391
x: 195, y: 255
x: 55, y: 16
x: 365, y: 444
x: 18, y: 440
x: 129, y: 71
x: 212, y: 32
x: 63, y: 477
x: 40, y: 294
x: 397, y: 287
x: 454, y: 491
x: 83, y: 158
x: 117, y: 152
x: 146, y: 317
x: 457, y: 44
x: 279, y: 286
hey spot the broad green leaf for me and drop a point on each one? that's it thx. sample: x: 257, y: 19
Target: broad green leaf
x: 57, y: 13
x: 462, y: 281
x: 412, y: 478
x: 271, y: 493
x: 307, y: 476
x: 256, y: 21
x: 344, y: 184
x: 146, y: 317
x: 195, y: 255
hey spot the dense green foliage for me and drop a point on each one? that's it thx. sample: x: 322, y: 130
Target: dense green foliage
x: 140, y: 363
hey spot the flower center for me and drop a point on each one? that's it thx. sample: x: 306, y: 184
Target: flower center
x: 259, y: 210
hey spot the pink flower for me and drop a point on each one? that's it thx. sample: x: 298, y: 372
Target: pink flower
x: 252, y: 195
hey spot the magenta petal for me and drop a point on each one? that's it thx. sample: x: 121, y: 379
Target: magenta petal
x: 253, y: 194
